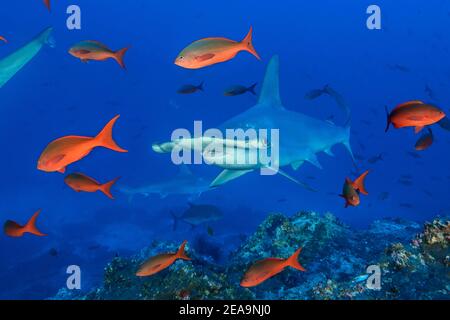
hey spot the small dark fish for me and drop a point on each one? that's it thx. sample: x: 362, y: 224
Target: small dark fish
x: 413, y: 154
x: 428, y: 193
x: 375, y: 159
x: 210, y: 231
x: 284, y: 199
x: 314, y: 94
x: 430, y: 92
x: 405, y: 182
x: 189, y: 88
x: 383, y: 196
x: 398, y: 67
x: 359, y: 157
x: 406, y: 205
x: 237, y: 90
x: 311, y: 177
x: 53, y: 252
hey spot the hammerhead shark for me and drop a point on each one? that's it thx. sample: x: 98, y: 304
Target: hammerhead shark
x: 185, y: 183
x: 13, y: 63
x: 301, y: 137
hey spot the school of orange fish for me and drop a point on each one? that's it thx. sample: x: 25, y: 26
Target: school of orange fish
x: 62, y: 152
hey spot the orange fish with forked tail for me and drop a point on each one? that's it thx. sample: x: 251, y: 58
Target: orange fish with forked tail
x: 267, y: 268
x: 81, y: 182
x: 415, y: 114
x: 161, y: 262
x: 209, y: 51
x: 94, y: 50
x: 13, y: 229
x: 352, y: 189
x: 66, y: 150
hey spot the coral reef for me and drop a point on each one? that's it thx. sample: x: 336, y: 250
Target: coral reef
x: 414, y: 264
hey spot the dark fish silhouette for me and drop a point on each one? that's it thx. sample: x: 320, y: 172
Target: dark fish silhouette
x: 237, y: 90
x: 197, y: 215
x: 189, y: 88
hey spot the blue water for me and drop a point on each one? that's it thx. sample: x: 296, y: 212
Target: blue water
x: 319, y: 42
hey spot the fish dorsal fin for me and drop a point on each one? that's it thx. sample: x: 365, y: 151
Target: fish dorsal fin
x: 270, y: 92
x: 408, y: 104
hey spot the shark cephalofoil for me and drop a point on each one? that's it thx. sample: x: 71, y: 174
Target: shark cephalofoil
x: 13, y: 63
x: 301, y: 137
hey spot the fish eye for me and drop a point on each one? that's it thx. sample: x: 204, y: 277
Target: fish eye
x: 180, y: 57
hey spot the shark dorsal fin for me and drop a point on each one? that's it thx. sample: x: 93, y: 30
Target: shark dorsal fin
x: 270, y: 92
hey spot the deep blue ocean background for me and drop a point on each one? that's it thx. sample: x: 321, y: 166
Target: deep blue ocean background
x: 319, y: 42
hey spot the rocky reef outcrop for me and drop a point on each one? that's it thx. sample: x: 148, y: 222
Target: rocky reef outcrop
x: 414, y: 263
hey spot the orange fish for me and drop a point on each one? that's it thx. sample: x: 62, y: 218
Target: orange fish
x: 425, y: 141
x: 414, y: 114
x: 209, y: 51
x: 94, y: 50
x: 81, y: 182
x: 3, y: 39
x: 67, y: 150
x: 47, y: 4
x: 267, y: 268
x: 352, y: 189
x: 161, y: 262
x: 13, y: 229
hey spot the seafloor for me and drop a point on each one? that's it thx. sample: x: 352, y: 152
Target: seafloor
x: 414, y: 261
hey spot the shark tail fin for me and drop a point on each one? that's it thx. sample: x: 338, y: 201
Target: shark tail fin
x: 248, y: 45
x: 346, y: 143
x: 181, y: 254
x: 175, y: 220
x: 31, y: 225
x: 201, y: 86
x: 251, y: 89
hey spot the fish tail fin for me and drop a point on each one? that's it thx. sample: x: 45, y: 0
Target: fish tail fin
x: 251, y: 89
x: 358, y: 184
x: 31, y: 225
x: 181, y: 254
x: 292, y: 261
x: 105, y: 139
x: 106, y: 188
x: 248, y: 45
x: 388, y: 119
x: 201, y: 86
x: 119, y: 55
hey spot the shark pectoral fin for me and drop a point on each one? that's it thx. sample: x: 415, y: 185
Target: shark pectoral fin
x: 297, y: 164
x: 284, y: 174
x: 313, y: 160
x: 227, y: 175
